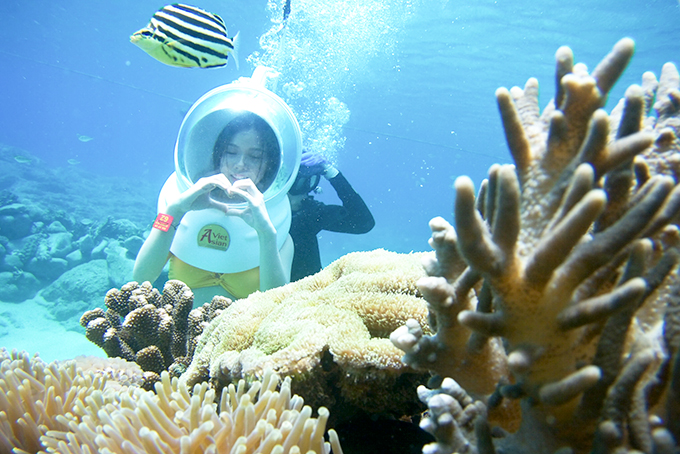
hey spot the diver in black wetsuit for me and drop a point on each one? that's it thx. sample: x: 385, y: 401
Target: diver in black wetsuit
x: 311, y: 216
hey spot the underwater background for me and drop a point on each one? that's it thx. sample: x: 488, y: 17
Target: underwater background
x: 398, y: 94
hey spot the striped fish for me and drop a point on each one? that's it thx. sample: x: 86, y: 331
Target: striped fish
x: 188, y: 37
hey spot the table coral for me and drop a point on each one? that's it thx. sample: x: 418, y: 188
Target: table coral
x: 158, y: 331
x: 568, y: 254
x: 329, y: 331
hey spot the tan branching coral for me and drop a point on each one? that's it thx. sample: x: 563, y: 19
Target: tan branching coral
x: 159, y: 332
x: 329, y: 331
x: 59, y: 408
x: 451, y: 417
x: 567, y: 254
x: 664, y: 93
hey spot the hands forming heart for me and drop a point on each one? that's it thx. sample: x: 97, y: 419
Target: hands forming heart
x: 214, y: 192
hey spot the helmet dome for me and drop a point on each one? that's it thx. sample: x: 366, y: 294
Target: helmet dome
x: 209, y: 239
x: 208, y: 117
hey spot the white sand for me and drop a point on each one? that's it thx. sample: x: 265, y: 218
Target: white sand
x: 28, y: 326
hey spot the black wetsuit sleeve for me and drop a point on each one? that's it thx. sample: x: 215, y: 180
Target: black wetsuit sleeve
x: 353, y: 216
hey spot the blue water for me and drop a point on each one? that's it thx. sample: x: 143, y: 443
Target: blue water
x: 398, y: 94
x: 414, y: 80
x: 418, y: 81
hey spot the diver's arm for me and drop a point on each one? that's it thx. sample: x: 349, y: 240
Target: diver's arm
x: 354, y: 216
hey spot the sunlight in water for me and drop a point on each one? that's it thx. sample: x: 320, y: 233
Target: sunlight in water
x: 319, y: 49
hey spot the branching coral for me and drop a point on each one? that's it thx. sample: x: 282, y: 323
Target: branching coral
x: 567, y: 253
x: 159, y: 332
x: 451, y: 416
x: 329, y: 331
x: 59, y: 408
x: 664, y: 157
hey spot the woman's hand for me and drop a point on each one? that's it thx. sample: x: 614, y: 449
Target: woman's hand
x: 273, y: 272
x: 154, y: 252
x: 197, y: 197
x: 255, y: 214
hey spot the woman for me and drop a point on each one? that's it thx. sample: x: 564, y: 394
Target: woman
x: 246, y: 156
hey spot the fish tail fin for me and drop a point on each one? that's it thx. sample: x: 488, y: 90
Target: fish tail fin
x: 234, y: 52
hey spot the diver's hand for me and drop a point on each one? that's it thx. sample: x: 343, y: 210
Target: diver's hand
x: 197, y: 197
x: 313, y: 163
x: 255, y: 214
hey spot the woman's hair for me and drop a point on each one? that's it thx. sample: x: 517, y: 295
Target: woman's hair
x: 270, y: 145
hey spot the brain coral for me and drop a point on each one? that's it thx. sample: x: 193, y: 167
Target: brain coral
x: 330, y: 331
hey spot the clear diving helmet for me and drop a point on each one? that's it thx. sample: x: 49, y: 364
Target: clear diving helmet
x: 209, y: 239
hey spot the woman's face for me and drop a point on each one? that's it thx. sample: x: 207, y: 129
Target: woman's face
x: 243, y: 158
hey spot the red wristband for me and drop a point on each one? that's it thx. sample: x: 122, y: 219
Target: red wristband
x: 163, y: 222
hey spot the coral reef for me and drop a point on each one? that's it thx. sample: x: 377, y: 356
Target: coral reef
x: 158, y: 331
x: 50, y: 229
x: 329, y: 331
x: 568, y: 298
x: 35, y: 395
x: 60, y: 408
